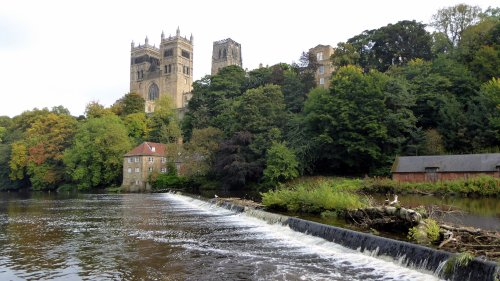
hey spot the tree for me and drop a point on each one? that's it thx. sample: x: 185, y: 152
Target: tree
x: 361, y: 123
x: 129, y: 104
x: 452, y: 21
x: 261, y: 112
x: 39, y: 154
x: 96, y: 157
x: 483, y: 117
x: 281, y: 164
x: 18, y: 161
x: 2, y: 133
x: 345, y: 54
x: 137, y: 126
x: 163, y: 124
x: 96, y: 110
x: 235, y: 163
x: 433, y: 144
x: 201, y: 150
x: 394, y: 44
x: 486, y: 63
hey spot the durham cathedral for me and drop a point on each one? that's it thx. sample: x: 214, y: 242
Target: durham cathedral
x: 168, y: 69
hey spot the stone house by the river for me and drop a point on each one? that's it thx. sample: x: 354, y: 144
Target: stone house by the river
x: 142, y: 161
x: 445, y: 167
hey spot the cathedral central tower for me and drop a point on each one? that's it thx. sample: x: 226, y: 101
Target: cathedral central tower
x: 226, y: 52
x: 164, y: 70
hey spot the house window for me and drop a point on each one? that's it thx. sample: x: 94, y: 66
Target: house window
x: 431, y: 174
x: 151, y: 159
x: 163, y: 170
x: 319, y: 56
x: 137, y: 170
x: 136, y: 159
x: 163, y: 160
x: 129, y: 160
x: 137, y: 182
x: 129, y: 170
x: 321, y: 81
x: 150, y: 169
x: 321, y: 69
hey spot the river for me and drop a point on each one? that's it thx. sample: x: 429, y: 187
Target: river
x: 166, y: 237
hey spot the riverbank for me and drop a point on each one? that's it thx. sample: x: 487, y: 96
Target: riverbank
x: 351, y: 201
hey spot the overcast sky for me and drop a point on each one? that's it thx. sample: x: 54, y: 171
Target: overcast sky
x: 72, y: 52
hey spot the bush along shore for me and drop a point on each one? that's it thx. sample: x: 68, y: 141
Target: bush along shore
x: 349, y: 199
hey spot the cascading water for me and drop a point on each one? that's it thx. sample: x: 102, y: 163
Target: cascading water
x: 174, y: 237
x: 302, y: 256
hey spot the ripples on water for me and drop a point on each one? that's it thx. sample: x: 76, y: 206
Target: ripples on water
x: 167, y: 237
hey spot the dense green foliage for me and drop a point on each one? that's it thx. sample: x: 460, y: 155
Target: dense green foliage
x: 96, y: 157
x: 395, y: 90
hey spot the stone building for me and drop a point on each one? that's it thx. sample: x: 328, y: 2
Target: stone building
x: 142, y: 161
x: 164, y: 70
x: 226, y: 52
x: 325, y: 69
x: 445, y: 167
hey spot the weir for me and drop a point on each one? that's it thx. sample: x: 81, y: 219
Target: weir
x: 408, y: 254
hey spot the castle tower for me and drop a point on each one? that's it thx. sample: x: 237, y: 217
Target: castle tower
x: 167, y: 70
x: 324, y: 73
x: 226, y: 52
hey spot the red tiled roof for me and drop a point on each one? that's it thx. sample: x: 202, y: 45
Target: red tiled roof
x: 146, y: 148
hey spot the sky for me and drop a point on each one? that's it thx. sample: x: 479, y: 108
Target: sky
x: 69, y: 53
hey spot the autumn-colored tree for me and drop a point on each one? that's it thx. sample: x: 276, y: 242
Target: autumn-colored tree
x: 96, y: 157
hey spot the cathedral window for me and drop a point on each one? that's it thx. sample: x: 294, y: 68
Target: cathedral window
x: 154, y: 92
x: 168, y: 52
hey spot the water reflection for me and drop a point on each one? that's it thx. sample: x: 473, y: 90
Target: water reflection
x: 478, y: 212
x: 161, y: 237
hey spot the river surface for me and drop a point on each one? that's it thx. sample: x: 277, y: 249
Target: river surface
x: 166, y: 237
x: 482, y: 212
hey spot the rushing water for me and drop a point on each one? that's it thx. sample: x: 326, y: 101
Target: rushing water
x: 166, y: 237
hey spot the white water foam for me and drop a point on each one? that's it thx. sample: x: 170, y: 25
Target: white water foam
x: 294, y: 242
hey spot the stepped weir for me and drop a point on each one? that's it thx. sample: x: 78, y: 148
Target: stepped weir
x: 407, y: 254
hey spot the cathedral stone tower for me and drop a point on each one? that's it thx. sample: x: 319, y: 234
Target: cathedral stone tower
x: 167, y: 70
x: 226, y: 52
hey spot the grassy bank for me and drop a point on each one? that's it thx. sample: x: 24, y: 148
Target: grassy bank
x: 318, y: 194
x: 477, y: 186
x: 313, y: 196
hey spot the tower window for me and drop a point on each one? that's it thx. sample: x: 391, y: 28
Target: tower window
x: 154, y: 92
x: 224, y: 53
x: 319, y: 56
x: 321, y: 69
x: 186, y: 54
x: 168, y: 68
x: 168, y: 52
x: 321, y: 81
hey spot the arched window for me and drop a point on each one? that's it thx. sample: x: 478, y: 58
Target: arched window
x: 224, y: 53
x: 219, y: 53
x: 154, y: 92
